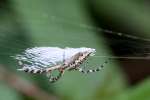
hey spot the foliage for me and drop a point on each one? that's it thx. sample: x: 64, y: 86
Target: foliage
x: 69, y: 23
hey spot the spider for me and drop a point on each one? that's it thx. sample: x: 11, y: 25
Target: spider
x: 48, y: 59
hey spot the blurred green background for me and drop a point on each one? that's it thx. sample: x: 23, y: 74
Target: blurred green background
x: 76, y: 23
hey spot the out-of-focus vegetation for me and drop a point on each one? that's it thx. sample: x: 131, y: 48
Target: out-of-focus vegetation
x: 70, y: 23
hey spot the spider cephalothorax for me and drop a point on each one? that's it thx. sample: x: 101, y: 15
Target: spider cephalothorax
x: 48, y: 59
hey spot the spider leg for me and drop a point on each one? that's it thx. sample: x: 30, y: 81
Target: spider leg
x: 92, y: 70
x: 53, y: 68
x: 54, y: 79
x: 76, y: 68
x: 33, y: 69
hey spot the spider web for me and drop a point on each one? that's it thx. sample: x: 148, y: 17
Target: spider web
x: 139, y: 52
x: 134, y: 47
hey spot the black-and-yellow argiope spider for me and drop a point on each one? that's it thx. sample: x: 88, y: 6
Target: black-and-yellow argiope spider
x: 48, y: 59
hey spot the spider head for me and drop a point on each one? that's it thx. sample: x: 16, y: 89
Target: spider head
x: 90, y: 51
